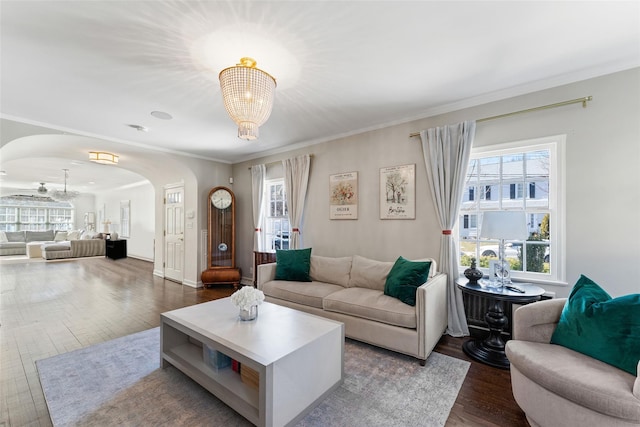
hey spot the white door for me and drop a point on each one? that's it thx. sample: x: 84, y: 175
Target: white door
x: 173, y: 233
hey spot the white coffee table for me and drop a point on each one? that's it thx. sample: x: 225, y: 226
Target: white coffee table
x: 299, y: 357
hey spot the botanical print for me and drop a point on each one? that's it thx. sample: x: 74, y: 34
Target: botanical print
x: 397, y: 192
x: 343, y: 196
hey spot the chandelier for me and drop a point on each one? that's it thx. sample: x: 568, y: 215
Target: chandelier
x: 64, y: 196
x: 103, y: 158
x: 248, y: 94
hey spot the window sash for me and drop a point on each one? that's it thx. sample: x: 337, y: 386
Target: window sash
x: 535, y: 190
x: 276, y: 228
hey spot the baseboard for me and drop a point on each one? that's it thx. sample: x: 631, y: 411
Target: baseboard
x: 191, y: 283
x: 158, y: 273
x: 141, y: 258
x: 246, y: 281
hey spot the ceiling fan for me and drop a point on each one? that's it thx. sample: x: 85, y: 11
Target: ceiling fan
x: 42, y: 189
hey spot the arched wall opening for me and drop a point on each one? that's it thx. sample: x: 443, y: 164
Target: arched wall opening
x: 159, y: 169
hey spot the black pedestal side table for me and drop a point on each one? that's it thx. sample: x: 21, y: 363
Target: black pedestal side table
x: 490, y: 350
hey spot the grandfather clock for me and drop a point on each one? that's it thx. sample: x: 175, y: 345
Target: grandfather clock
x: 221, y: 268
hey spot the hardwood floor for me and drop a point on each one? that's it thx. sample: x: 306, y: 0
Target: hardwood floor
x: 49, y: 308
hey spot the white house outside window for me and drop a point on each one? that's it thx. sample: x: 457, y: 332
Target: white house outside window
x: 522, y: 176
x: 276, y: 221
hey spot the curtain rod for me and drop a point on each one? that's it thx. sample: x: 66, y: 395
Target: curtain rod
x: 582, y: 100
x: 278, y: 161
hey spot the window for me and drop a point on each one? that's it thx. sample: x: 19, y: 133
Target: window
x: 19, y: 213
x: 523, y: 176
x: 276, y: 221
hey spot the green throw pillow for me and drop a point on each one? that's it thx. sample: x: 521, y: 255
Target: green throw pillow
x: 605, y: 328
x: 293, y: 264
x: 404, y: 279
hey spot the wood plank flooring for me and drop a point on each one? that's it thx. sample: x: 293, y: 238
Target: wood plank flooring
x: 49, y: 308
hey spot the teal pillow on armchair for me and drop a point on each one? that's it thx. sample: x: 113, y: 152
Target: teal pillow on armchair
x: 605, y: 328
x: 293, y: 264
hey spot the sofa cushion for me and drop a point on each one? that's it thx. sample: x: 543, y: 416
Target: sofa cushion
x: 373, y: 305
x: 576, y: 377
x: 599, y: 326
x: 404, y: 279
x: 330, y: 270
x: 15, y: 236
x: 13, y: 245
x: 369, y: 273
x: 293, y: 264
x: 61, y: 236
x: 59, y: 246
x: 3, y: 237
x: 74, y: 234
x: 310, y: 294
x: 39, y: 236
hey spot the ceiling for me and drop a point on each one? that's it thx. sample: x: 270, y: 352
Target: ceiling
x: 342, y: 67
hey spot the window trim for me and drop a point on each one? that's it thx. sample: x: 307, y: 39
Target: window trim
x: 556, y: 144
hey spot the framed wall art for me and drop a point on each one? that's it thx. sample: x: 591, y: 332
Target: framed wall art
x: 343, y: 196
x: 398, y: 192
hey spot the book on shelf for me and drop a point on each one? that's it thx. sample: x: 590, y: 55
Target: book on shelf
x: 215, y: 359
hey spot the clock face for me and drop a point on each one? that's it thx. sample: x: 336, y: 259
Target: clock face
x: 221, y: 199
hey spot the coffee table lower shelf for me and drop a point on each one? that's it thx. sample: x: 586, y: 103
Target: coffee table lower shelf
x: 224, y: 383
x: 293, y: 375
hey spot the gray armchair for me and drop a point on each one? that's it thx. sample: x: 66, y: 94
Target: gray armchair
x: 556, y: 386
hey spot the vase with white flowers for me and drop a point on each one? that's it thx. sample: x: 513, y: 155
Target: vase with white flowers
x: 247, y: 299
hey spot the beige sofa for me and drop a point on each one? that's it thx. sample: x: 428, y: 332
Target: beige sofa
x: 15, y: 242
x: 350, y: 290
x: 74, y: 249
x: 556, y: 386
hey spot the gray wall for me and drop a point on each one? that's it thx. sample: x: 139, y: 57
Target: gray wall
x: 602, y: 182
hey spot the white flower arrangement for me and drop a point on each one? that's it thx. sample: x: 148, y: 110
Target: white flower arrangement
x: 246, y: 297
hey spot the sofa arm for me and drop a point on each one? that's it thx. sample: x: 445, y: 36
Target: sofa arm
x: 536, y: 322
x: 266, y: 273
x: 431, y: 313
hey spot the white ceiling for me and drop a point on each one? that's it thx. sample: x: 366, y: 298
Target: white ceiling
x: 342, y: 67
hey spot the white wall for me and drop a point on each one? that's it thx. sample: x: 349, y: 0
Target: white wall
x: 140, y: 243
x: 83, y: 204
x: 602, y: 182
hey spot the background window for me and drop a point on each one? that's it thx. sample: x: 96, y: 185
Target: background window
x: 19, y: 213
x: 276, y: 222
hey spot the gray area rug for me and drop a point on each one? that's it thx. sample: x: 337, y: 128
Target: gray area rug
x: 119, y: 382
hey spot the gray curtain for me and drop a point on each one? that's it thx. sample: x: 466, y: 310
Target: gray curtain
x: 446, y: 153
x: 258, y: 174
x: 296, y: 178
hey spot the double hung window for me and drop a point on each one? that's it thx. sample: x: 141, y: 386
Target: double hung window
x: 523, y: 176
x: 276, y: 221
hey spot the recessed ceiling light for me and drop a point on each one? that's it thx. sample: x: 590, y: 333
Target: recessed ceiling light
x: 3, y: 173
x: 139, y: 128
x: 161, y: 115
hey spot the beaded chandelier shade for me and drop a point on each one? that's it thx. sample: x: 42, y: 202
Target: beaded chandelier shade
x: 64, y: 196
x: 248, y: 95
